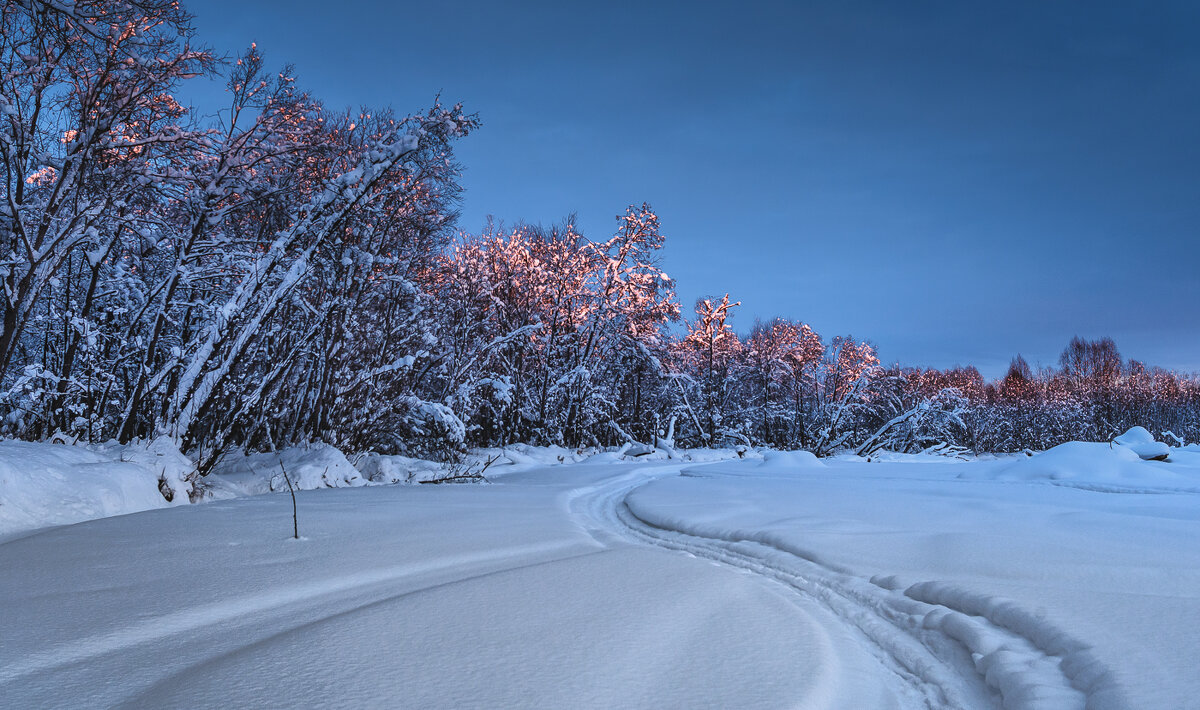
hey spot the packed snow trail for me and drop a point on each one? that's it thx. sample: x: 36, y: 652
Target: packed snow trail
x: 1063, y: 596
x: 922, y: 643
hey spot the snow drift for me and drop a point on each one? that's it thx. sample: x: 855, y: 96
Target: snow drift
x: 308, y: 467
x: 57, y: 484
x: 1099, y: 467
x: 1142, y: 443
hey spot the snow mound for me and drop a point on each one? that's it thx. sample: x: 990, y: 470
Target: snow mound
x: 1096, y: 466
x: 383, y: 468
x: 54, y: 484
x: 523, y: 454
x: 1142, y: 443
x: 308, y: 467
x: 710, y: 455
x: 636, y: 451
x: 175, y: 471
x: 789, y: 461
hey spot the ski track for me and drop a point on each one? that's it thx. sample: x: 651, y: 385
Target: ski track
x: 947, y: 647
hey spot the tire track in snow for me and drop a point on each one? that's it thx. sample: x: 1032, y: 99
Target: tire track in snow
x: 950, y: 648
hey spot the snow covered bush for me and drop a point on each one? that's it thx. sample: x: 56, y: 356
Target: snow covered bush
x: 309, y: 467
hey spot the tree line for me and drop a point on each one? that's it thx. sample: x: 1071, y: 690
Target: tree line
x: 281, y: 272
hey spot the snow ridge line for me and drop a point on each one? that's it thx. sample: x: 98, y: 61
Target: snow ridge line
x: 1027, y: 662
x: 1126, y: 490
x: 1078, y: 664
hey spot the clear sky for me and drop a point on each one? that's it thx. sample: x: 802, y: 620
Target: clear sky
x: 955, y: 181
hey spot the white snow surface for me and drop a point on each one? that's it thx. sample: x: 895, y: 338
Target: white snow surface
x: 1072, y: 578
x: 384, y: 468
x: 1067, y: 580
x: 790, y: 461
x: 44, y: 484
x: 1142, y: 443
x: 56, y: 484
x: 1098, y: 467
x: 308, y: 467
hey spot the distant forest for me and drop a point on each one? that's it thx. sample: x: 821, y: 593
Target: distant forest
x: 284, y: 272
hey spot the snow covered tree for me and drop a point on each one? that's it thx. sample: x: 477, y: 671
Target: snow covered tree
x: 552, y: 333
x: 844, y: 393
x: 781, y: 359
x: 284, y: 272
x: 370, y: 198
x: 710, y: 351
x: 632, y: 299
x: 87, y: 121
x: 929, y: 424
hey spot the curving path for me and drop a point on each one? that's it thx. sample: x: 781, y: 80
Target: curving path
x: 556, y: 587
x: 945, y: 647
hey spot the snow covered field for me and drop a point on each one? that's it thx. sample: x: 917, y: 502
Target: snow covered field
x: 1066, y: 580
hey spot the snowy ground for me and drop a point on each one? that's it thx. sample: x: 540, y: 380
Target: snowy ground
x: 1070, y: 579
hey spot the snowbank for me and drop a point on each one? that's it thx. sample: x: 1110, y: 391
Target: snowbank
x: 308, y: 467
x: 523, y: 456
x: 51, y: 484
x: 1142, y: 443
x: 387, y: 469
x: 785, y: 461
x: 56, y: 484
x: 44, y: 484
x: 710, y: 455
x: 922, y: 458
x: 538, y: 455
x: 1101, y: 467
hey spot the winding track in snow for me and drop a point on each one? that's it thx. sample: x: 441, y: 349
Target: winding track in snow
x: 937, y: 646
x: 946, y: 648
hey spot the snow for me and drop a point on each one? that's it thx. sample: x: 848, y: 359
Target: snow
x: 637, y: 450
x: 382, y: 468
x: 1064, y: 595
x: 789, y: 461
x: 1099, y: 467
x: 57, y: 484
x: 580, y: 579
x: 1142, y: 443
x: 314, y: 466
x: 415, y: 596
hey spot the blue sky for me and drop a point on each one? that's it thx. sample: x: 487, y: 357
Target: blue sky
x: 957, y: 182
